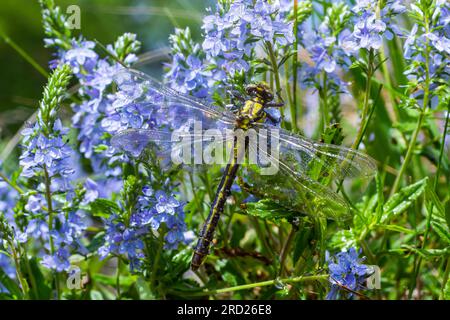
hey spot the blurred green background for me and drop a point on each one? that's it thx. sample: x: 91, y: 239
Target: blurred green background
x: 20, y: 20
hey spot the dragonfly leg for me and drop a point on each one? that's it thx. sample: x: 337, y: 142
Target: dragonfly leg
x: 274, y: 104
x: 232, y: 107
x: 236, y: 95
x: 271, y: 118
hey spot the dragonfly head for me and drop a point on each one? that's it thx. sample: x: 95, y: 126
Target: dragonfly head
x: 260, y: 90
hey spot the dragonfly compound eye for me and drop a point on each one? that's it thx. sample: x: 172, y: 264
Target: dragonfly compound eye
x: 251, y: 90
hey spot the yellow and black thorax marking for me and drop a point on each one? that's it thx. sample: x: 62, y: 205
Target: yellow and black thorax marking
x: 252, y: 111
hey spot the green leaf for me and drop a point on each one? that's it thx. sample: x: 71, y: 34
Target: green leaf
x: 143, y: 289
x: 96, y: 242
x: 10, y: 284
x: 104, y: 208
x: 230, y: 278
x: 403, y: 199
x: 429, y: 254
x: 394, y: 227
x: 96, y: 295
x: 438, y: 221
x: 267, y: 209
x: 440, y: 226
x: 42, y: 291
x: 111, y: 280
x: 343, y: 239
x: 447, y: 290
x: 302, y: 241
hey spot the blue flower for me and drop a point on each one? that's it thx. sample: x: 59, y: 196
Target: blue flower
x: 187, y: 72
x: 430, y: 41
x: 155, y: 209
x: 71, y: 230
x: 346, y: 270
x: 37, y: 229
x: 49, y: 152
x: 370, y: 28
x: 96, y: 116
x: 122, y: 240
x: 92, y: 191
x: 165, y: 204
x: 8, y: 198
x: 231, y: 33
x: 59, y: 261
x: 82, y: 57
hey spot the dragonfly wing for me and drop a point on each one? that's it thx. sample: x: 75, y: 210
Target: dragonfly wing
x: 302, y: 166
x: 179, y: 147
x: 315, y: 158
x: 293, y: 188
x: 141, y: 94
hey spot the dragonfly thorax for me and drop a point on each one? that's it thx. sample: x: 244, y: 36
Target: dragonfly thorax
x: 253, y: 109
x: 251, y: 112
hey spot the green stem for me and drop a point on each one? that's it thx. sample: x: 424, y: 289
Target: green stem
x: 410, y: 151
x: 285, y: 250
x: 361, y: 130
x: 325, y: 112
x: 15, y: 187
x: 289, y: 96
x: 22, y: 281
x: 156, y: 263
x: 445, y: 279
x: 423, y: 111
x: 262, y: 237
x: 262, y: 284
x: 435, y: 185
x: 118, y: 293
x: 275, y: 71
x: 30, y: 273
x: 48, y: 196
x: 294, y: 70
x: 24, y: 55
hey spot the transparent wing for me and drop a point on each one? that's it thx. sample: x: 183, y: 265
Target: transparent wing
x: 294, y: 189
x: 139, y: 93
x: 316, y: 158
x: 301, y: 166
x: 179, y: 147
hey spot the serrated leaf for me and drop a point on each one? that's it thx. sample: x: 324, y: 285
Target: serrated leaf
x: 438, y: 220
x: 403, y: 199
x: 343, y: 239
x: 103, y: 208
x: 440, y: 226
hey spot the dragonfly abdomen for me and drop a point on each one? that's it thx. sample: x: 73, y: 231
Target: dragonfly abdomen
x: 209, y: 227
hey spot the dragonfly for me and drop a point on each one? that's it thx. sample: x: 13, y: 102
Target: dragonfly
x: 300, y: 163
